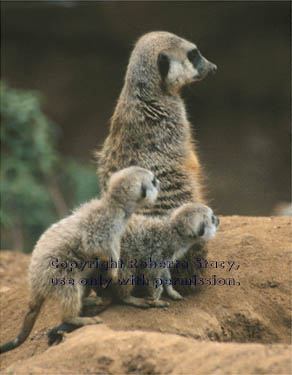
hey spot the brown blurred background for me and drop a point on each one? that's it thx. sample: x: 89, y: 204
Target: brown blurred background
x: 76, y: 54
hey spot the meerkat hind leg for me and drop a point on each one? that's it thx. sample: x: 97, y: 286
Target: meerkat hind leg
x: 92, y: 301
x: 91, y: 306
x: 71, y: 319
x: 56, y: 334
x: 172, y: 293
x: 71, y: 316
x: 154, y: 299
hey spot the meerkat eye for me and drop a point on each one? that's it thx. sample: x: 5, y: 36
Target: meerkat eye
x: 194, y: 56
x: 154, y: 182
x: 143, y: 191
x: 163, y: 64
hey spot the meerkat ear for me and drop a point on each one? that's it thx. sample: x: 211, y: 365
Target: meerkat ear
x: 163, y: 64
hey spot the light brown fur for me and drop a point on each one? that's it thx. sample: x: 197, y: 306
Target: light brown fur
x: 92, y: 231
x: 150, y: 128
x: 156, y: 241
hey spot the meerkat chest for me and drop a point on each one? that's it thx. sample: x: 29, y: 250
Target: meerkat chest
x: 140, y: 131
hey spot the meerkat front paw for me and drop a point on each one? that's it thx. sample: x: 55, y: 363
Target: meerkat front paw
x: 173, y: 294
x: 157, y: 303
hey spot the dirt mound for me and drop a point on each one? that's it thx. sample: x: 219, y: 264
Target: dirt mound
x: 246, y: 300
x: 101, y: 350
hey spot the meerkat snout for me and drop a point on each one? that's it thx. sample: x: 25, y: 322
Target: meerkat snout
x: 214, y: 68
x: 215, y: 220
x: 150, y: 190
x: 156, y: 183
x: 201, y: 64
x: 142, y: 186
x: 181, y: 63
x: 195, y: 221
x: 202, y: 231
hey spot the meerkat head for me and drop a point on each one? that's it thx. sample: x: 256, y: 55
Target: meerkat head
x: 193, y: 221
x: 161, y: 59
x: 133, y: 186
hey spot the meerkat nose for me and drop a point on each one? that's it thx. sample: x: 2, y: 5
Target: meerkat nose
x: 156, y: 183
x: 215, y: 220
x: 214, y: 68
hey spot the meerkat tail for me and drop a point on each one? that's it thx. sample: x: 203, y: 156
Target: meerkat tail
x: 27, y: 326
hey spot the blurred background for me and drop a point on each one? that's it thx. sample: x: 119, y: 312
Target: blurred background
x: 63, y: 65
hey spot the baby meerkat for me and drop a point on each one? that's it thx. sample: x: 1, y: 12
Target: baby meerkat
x: 93, y: 230
x: 150, y: 246
x: 150, y: 127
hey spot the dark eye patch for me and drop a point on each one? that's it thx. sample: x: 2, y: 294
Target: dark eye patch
x: 163, y: 64
x: 202, y: 229
x: 194, y: 56
x: 143, y: 191
x: 154, y: 181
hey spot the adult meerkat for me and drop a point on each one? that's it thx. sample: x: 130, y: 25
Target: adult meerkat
x: 93, y: 230
x: 151, y: 246
x: 150, y: 128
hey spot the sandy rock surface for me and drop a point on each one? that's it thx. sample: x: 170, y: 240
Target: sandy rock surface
x: 224, y: 329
